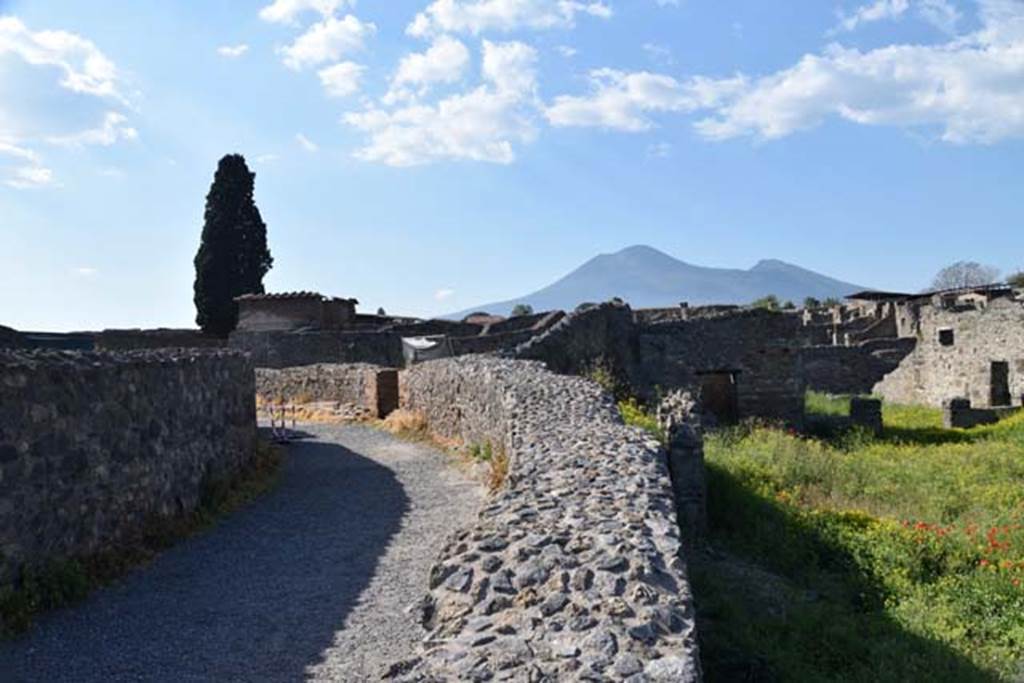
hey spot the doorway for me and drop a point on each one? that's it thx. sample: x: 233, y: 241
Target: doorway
x: 1000, y: 386
x: 719, y: 395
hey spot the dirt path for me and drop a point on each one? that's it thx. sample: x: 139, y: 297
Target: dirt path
x: 310, y: 582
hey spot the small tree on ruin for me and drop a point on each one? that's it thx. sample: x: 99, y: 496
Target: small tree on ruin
x: 965, y: 274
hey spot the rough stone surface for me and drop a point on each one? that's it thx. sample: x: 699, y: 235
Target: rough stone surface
x: 680, y: 419
x: 313, y: 581
x: 962, y: 367
x: 290, y: 349
x: 92, y: 445
x: 866, y: 413
x: 573, y: 570
x: 364, y: 387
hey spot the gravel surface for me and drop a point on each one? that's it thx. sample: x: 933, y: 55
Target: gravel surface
x: 310, y: 582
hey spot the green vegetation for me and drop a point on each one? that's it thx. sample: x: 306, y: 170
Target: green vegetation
x: 768, y: 303
x: 1016, y: 279
x: 636, y: 415
x: 66, y: 582
x: 845, y: 557
x: 520, y: 310
x: 233, y: 256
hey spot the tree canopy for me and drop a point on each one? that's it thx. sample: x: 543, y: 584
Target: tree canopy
x: 965, y: 274
x: 233, y: 256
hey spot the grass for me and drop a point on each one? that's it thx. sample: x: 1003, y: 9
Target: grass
x: 65, y: 582
x: 845, y: 557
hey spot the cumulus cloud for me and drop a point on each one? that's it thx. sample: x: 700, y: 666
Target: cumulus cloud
x: 85, y: 68
x: 114, y: 128
x: 942, y: 14
x: 287, y: 11
x: 478, y: 16
x: 232, y: 51
x: 567, y: 51
x: 342, y: 79
x: 327, y: 41
x: 22, y: 168
x: 483, y: 124
x: 970, y: 89
x: 623, y: 101
x: 445, y: 61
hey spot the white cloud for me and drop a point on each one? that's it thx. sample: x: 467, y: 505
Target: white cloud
x: 266, y: 158
x: 660, y: 54
x: 342, y: 79
x: 659, y: 150
x: 85, y: 271
x: 942, y: 14
x: 622, y: 101
x: 28, y: 170
x: 85, y: 69
x: 878, y: 10
x: 232, y: 51
x: 287, y: 11
x: 113, y: 129
x: 327, y: 41
x: 305, y: 143
x: 445, y: 61
x: 483, y: 124
x: 971, y: 89
x: 478, y: 16
x: 667, y: 3
x: 443, y: 294
x: 567, y: 51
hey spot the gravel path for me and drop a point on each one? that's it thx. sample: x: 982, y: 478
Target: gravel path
x: 310, y: 582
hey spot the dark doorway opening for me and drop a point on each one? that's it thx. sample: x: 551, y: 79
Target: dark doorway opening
x: 719, y: 395
x: 1000, y: 387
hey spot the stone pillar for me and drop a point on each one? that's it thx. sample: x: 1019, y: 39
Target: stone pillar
x: 679, y: 417
x: 867, y: 413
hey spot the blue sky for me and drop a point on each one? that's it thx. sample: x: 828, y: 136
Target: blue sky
x: 429, y: 155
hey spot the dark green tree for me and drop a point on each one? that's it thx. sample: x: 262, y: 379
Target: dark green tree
x: 520, y: 310
x: 811, y: 303
x: 233, y: 256
x: 1016, y: 280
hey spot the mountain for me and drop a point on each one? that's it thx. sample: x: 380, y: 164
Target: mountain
x: 647, y: 278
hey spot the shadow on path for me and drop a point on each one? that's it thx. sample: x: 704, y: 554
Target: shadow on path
x: 258, y: 597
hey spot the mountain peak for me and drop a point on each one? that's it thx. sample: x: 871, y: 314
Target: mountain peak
x: 772, y: 264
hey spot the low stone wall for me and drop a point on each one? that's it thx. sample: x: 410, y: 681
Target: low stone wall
x: 368, y: 387
x: 134, y: 340
x: 573, y: 571
x: 852, y: 369
x: 93, y: 445
x: 291, y: 349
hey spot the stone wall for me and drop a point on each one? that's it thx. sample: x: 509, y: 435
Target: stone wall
x: 573, y: 570
x: 852, y: 369
x: 135, y: 340
x: 93, y: 445
x: 364, y: 386
x: 954, y: 356
x: 291, y: 349
x: 760, y: 347
x: 11, y: 339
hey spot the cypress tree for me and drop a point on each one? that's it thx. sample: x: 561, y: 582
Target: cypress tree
x: 233, y: 256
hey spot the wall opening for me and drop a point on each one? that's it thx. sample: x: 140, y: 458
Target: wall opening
x: 946, y: 337
x: 719, y: 396
x: 1000, y: 384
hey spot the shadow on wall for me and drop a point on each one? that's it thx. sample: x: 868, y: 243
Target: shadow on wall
x: 799, y: 610
x: 258, y: 597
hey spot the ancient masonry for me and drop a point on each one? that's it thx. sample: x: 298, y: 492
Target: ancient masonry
x: 95, y: 445
x: 573, y: 571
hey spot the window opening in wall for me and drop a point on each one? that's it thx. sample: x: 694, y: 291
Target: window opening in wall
x: 1000, y: 394
x: 946, y: 337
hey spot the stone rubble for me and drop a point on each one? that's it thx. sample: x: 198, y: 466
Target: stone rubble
x: 573, y: 571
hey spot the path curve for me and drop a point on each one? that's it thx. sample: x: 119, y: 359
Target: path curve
x: 310, y: 582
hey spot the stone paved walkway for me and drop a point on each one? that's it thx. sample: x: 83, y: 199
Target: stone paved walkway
x: 310, y: 582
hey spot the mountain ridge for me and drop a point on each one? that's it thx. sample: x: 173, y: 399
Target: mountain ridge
x: 646, y: 277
